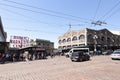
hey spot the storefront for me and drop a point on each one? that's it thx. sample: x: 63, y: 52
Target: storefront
x: 4, y: 47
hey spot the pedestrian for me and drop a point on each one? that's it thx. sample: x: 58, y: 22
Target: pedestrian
x: 14, y: 57
x: 21, y: 56
x: 0, y: 56
x: 3, y: 58
x: 26, y: 56
x: 51, y: 55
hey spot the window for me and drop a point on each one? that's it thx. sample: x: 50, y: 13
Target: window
x: 103, y: 39
x: 74, y: 38
x: 69, y: 39
x: 108, y: 39
x: 39, y: 43
x: 59, y: 42
x: 81, y: 37
x: 64, y: 41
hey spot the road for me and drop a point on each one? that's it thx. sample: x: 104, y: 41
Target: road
x: 61, y: 68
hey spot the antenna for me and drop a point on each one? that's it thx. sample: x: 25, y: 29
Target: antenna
x: 70, y: 26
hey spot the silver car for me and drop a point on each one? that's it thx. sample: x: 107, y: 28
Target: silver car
x: 115, y: 55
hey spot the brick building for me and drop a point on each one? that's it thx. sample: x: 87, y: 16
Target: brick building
x: 94, y: 39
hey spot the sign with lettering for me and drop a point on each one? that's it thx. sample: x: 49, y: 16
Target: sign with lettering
x: 19, y: 41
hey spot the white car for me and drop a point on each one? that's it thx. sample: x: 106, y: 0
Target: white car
x: 115, y: 54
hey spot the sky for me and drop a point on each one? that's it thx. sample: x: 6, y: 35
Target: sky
x: 49, y: 19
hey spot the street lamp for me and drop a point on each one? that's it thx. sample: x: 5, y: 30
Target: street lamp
x: 95, y: 42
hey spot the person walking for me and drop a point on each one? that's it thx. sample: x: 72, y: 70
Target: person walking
x: 26, y: 56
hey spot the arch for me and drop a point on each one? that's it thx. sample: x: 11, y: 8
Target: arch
x: 69, y: 39
x: 59, y: 41
x: 74, y: 38
x: 82, y: 37
x: 64, y: 40
x: 90, y: 36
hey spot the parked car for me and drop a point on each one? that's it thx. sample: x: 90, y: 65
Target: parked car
x: 115, y: 55
x: 107, y: 52
x: 80, y: 56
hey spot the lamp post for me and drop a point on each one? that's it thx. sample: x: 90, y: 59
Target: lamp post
x: 95, y: 42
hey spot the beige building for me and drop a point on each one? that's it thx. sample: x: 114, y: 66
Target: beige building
x: 94, y: 39
x: 46, y: 44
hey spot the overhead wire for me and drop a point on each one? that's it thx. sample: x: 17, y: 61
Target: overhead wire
x: 31, y: 30
x: 30, y: 18
x: 96, y: 11
x: 113, y: 13
x: 44, y: 13
x: 51, y: 11
x: 109, y: 11
x: 32, y: 11
x: 106, y: 15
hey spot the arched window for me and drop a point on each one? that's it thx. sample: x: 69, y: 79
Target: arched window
x: 59, y: 41
x: 74, y: 38
x: 64, y: 40
x: 81, y: 37
x: 69, y: 39
x: 90, y: 37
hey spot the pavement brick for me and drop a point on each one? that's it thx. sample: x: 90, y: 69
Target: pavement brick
x: 61, y: 68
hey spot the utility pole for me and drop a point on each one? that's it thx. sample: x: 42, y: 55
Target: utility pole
x: 98, y: 23
x: 70, y: 26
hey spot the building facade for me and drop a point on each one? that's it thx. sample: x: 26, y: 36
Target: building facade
x: 94, y: 39
x: 45, y: 44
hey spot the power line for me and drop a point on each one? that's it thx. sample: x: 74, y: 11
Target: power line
x: 97, y: 9
x: 29, y: 30
x: 109, y: 11
x: 113, y: 13
x: 39, y: 12
x: 31, y: 18
x: 114, y: 25
x: 93, y: 22
x: 36, y: 11
x: 99, y: 22
x: 51, y: 11
x: 48, y: 10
